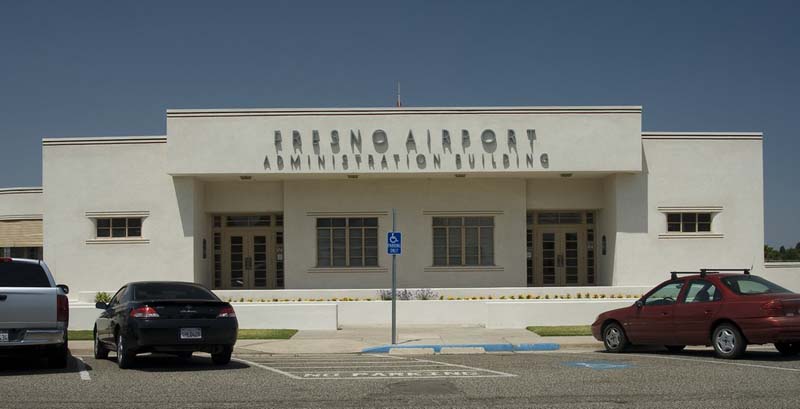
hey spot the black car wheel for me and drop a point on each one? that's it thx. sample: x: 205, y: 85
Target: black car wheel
x: 728, y: 341
x: 614, y: 338
x: 100, y: 350
x: 787, y: 348
x: 125, y: 357
x: 222, y: 357
x: 675, y: 348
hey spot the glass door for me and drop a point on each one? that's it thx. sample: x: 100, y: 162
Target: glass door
x: 236, y: 260
x: 259, y: 263
x: 559, y: 258
x: 247, y: 262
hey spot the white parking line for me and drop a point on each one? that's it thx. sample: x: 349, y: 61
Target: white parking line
x: 718, y: 362
x: 84, y: 374
x: 264, y: 367
x: 369, y: 367
x: 467, y: 367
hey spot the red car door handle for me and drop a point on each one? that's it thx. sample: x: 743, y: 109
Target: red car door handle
x: 664, y: 313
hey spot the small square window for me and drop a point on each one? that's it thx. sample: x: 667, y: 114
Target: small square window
x: 689, y: 222
x: 118, y: 227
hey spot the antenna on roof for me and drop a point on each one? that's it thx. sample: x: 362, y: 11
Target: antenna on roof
x: 399, y: 104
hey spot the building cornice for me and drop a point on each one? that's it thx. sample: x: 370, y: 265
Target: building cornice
x: 16, y: 217
x: 199, y: 113
x: 112, y: 140
x: 704, y: 136
x: 20, y: 190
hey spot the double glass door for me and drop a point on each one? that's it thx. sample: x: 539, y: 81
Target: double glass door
x: 247, y: 259
x: 559, y: 258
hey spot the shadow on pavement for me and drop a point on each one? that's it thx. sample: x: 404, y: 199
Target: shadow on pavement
x: 171, y: 363
x: 751, y: 355
x: 34, y: 364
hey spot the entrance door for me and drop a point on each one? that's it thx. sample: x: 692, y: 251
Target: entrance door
x: 560, y: 258
x: 246, y: 262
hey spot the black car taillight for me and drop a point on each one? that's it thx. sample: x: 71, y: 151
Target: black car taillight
x: 226, y: 312
x: 144, y: 312
x: 62, y: 308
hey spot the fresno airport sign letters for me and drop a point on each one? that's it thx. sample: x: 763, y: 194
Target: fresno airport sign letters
x: 377, y: 150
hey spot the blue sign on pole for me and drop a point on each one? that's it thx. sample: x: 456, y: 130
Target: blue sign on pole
x: 394, y: 242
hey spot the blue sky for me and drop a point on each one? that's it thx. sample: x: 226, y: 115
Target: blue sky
x: 100, y: 68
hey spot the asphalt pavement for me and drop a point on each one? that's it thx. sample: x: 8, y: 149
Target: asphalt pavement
x: 563, y: 379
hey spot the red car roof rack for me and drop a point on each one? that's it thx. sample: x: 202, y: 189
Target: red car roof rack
x: 674, y: 274
x: 720, y: 270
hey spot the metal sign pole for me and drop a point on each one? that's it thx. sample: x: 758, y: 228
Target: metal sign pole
x: 394, y: 284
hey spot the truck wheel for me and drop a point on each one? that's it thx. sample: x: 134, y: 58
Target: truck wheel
x: 125, y: 357
x: 728, y: 341
x: 614, y: 338
x: 222, y: 357
x: 58, y: 356
x: 788, y: 349
x: 100, y: 350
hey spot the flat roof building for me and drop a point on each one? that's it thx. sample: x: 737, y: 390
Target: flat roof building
x: 485, y: 197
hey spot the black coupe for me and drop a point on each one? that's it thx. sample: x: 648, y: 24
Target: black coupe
x: 170, y: 317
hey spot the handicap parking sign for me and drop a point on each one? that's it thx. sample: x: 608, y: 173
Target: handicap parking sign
x: 394, y: 240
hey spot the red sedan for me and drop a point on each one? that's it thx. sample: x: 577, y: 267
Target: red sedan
x: 710, y: 307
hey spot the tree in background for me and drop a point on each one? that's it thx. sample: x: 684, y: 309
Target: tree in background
x: 782, y: 254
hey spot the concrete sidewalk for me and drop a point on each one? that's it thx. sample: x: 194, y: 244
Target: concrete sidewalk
x: 355, y: 340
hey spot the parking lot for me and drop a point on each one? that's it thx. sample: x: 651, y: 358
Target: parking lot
x: 572, y: 379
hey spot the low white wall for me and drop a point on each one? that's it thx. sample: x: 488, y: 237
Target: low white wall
x: 332, y: 315
x: 302, y: 316
x: 378, y: 313
x: 785, y: 274
x: 325, y: 294
x: 520, y: 314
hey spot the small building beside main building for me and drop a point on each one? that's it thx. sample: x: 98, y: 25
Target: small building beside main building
x: 303, y: 198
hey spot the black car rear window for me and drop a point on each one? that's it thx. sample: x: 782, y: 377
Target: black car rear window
x: 170, y: 291
x: 751, y: 285
x: 16, y: 274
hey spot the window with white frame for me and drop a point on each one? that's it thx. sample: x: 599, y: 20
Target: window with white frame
x: 463, y: 241
x: 118, y: 227
x: 689, y: 222
x: 347, y: 242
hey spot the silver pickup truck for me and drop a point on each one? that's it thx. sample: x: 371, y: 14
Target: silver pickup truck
x: 34, y: 311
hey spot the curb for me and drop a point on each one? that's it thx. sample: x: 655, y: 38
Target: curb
x: 437, y: 348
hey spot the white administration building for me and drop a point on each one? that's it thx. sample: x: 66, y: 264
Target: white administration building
x: 302, y: 199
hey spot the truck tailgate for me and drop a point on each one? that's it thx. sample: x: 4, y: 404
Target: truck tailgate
x: 27, y: 307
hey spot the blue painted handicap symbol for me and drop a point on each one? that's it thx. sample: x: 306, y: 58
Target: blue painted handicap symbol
x: 597, y: 365
x: 394, y: 242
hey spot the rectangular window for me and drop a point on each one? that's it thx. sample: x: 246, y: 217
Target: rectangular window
x: 463, y: 241
x: 347, y: 242
x: 563, y: 218
x: 689, y: 222
x: 119, y: 227
x: 247, y: 221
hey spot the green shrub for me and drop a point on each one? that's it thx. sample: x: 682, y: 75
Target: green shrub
x: 102, y: 297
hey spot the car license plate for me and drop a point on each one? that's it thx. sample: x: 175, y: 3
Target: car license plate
x: 191, y: 333
x: 3, y: 336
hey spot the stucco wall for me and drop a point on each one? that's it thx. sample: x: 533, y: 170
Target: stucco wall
x: 241, y: 197
x: 415, y: 200
x: 17, y: 203
x: 690, y: 172
x: 593, y: 139
x: 82, y: 177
